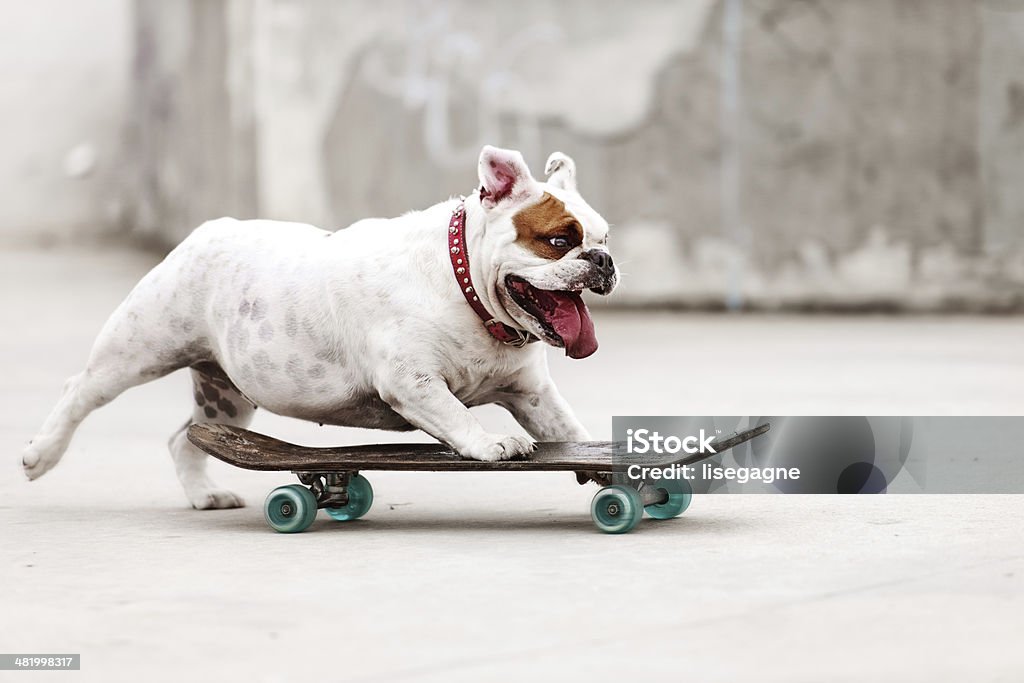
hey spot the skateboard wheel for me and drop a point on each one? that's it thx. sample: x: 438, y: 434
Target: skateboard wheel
x: 360, y: 498
x: 679, y: 496
x: 290, y: 509
x: 616, y: 509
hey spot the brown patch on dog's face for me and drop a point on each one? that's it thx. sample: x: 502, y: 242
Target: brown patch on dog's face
x: 547, y: 228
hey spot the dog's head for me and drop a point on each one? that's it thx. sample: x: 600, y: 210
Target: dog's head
x: 547, y: 246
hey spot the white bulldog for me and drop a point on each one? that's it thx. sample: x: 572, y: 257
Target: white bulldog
x: 388, y: 324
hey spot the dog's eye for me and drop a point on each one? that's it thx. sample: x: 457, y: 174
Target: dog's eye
x: 559, y: 242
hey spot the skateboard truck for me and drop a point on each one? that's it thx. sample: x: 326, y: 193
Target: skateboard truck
x: 330, y: 488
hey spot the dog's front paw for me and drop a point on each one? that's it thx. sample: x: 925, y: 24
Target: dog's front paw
x: 497, y: 447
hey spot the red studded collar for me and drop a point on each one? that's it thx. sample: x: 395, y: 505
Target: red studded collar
x: 459, y: 255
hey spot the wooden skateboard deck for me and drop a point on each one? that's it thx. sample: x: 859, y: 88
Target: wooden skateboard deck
x: 252, y: 451
x: 330, y: 478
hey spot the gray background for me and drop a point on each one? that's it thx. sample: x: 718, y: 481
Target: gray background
x: 768, y: 153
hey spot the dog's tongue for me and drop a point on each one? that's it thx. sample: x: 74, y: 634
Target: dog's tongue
x: 572, y: 322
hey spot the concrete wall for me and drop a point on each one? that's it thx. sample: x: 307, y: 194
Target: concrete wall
x: 779, y: 153
x: 193, y: 147
x: 64, y: 77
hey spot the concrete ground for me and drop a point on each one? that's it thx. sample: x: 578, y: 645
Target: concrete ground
x: 465, y: 577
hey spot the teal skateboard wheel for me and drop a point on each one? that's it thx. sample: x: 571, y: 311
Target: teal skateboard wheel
x: 360, y: 498
x: 290, y: 509
x: 679, y: 496
x: 616, y: 509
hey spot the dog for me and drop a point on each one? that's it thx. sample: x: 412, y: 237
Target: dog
x: 397, y: 323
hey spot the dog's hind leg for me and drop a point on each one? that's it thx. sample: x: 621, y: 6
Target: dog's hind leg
x: 152, y: 333
x: 215, y: 399
x: 77, y: 400
x: 113, y: 367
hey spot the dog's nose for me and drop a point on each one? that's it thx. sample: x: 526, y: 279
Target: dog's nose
x: 600, y: 258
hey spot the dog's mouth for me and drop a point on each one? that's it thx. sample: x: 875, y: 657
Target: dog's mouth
x: 562, y: 315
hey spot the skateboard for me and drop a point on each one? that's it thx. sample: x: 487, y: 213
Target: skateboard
x: 330, y: 477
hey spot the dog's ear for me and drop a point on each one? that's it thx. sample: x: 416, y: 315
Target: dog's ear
x: 561, y: 171
x: 503, y: 175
